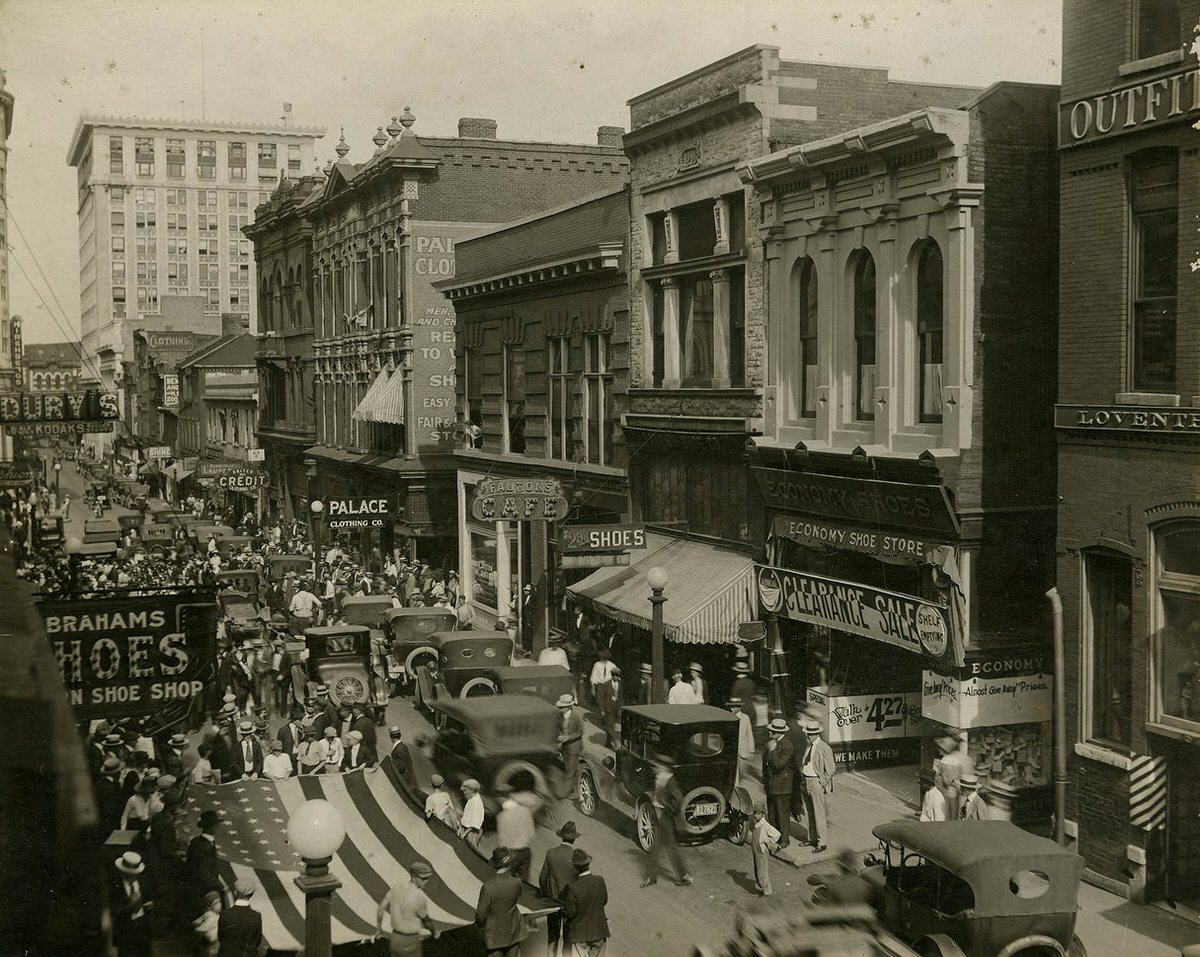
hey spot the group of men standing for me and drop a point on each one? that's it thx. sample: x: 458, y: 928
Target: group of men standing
x: 797, y: 776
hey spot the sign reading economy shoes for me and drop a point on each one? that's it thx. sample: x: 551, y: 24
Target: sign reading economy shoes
x: 906, y: 621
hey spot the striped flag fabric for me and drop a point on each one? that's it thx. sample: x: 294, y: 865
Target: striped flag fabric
x: 384, y: 835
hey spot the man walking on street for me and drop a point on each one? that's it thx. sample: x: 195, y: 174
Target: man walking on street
x: 408, y: 908
x: 515, y: 830
x: 570, y: 738
x: 681, y: 692
x: 558, y: 872
x: 587, y: 897
x: 818, y: 769
x: 745, y: 742
x: 777, y: 774
x: 667, y: 800
x: 603, y: 691
x: 470, y: 826
x: 497, y: 911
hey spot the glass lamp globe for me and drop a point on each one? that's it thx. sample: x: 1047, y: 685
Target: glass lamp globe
x: 658, y: 578
x: 317, y: 506
x: 316, y: 829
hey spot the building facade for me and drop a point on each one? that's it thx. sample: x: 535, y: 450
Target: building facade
x: 7, y: 378
x: 384, y: 230
x: 1129, y: 443
x: 161, y: 207
x: 542, y: 333
x: 907, y: 467
x: 51, y: 366
x: 154, y: 398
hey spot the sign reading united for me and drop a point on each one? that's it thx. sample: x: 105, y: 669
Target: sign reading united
x: 91, y: 404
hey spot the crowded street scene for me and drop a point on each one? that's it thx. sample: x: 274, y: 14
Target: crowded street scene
x: 729, y: 489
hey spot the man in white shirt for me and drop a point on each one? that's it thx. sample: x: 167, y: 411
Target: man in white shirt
x: 515, y: 830
x: 332, y: 752
x: 277, y: 765
x: 439, y: 805
x: 470, y: 827
x: 745, y: 740
x: 305, y: 609
x: 681, y: 692
x: 554, y: 653
x: 934, y: 806
x: 604, y: 689
x: 699, y: 685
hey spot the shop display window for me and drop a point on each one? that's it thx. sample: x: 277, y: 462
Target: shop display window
x: 484, y: 566
x: 1015, y: 755
x: 1109, y: 580
x: 1177, y: 580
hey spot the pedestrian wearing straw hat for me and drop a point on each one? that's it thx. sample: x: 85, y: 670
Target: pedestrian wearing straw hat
x: 239, y: 929
x: 817, y: 768
x: 130, y: 903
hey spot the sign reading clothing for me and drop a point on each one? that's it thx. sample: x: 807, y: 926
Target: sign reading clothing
x: 131, y: 656
x: 902, y: 620
x: 358, y: 512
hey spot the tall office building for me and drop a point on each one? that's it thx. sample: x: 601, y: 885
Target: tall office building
x: 7, y: 373
x: 161, y: 207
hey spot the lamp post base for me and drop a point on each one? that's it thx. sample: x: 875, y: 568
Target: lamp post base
x: 318, y: 886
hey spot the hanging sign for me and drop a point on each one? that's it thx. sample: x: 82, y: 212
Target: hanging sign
x: 519, y: 500
x: 345, y: 513
x: 44, y: 429
x: 159, y: 452
x: 588, y: 539
x: 58, y: 406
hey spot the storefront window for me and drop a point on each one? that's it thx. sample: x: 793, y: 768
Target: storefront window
x: 1109, y: 595
x: 696, y: 330
x: 864, y: 337
x: 1178, y: 586
x: 485, y: 574
x: 805, y: 392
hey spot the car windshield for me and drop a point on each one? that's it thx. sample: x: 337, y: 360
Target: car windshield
x: 927, y: 884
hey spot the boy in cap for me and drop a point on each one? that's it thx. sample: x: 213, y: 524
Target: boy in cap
x: 470, y: 826
x: 277, y: 765
x: 408, y: 909
x: 439, y: 805
x: 764, y: 838
x: 332, y: 751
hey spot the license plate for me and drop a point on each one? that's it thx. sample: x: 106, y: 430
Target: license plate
x: 707, y: 807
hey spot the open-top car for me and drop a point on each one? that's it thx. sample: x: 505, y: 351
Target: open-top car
x: 465, y: 666
x: 279, y: 565
x: 101, y: 530
x: 243, y: 618
x: 979, y: 889
x: 341, y: 657
x: 502, y: 743
x: 702, y: 742
x: 411, y: 631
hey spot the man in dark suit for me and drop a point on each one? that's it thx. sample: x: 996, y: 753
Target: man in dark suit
x: 201, y: 866
x: 248, y: 758
x: 290, y: 736
x: 239, y: 929
x: 557, y: 874
x: 361, y: 722
x: 497, y: 912
x: 110, y: 799
x: 129, y: 901
x: 587, y: 896
x: 358, y: 753
x: 778, y: 770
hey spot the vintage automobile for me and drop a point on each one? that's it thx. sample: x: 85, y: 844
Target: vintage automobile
x: 156, y: 538
x: 502, y: 743
x: 128, y: 522
x: 548, y: 682
x: 410, y: 631
x: 50, y: 532
x: 101, y: 530
x: 834, y: 930
x: 702, y: 741
x: 979, y: 889
x: 243, y: 617
x: 239, y: 579
x: 167, y: 515
x: 341, y: 657
x: 202, y: 530
x: 231, y: 545
x: 279, y: 565
x: 465, y: 666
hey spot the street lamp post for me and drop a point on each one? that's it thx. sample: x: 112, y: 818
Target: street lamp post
x: 657, y: 578
x: 316, y: 830
x: 57, y: 472
x: 317, y: 507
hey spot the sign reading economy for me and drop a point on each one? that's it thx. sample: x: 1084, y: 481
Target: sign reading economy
x: 127, y: 656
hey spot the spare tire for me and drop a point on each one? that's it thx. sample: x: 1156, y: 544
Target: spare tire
x: 702, y: 810
x: 511, y: 769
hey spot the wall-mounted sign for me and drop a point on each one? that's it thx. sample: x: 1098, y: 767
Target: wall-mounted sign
x: 1131, y: 108
x: 158, y: 452
x: 242, y: 481
x: 986, y: 702
x: 815, y: 532
x: 902, y: 620
x: 1126, y: 418
x: 58, y: 406
x: 131, y: 656
x: 869, y: 717
x: 14, y: 473
x: 256, y: 455
x: 170, y: 390
x: 863, y: 502
x: 584, y: 539
x: 519, y: 500
x: 358, y: 512
x: 43, y: 429
x: 232, y: 475
x: 210, y: 468
x: 175, y: 341
x: 593, y: 560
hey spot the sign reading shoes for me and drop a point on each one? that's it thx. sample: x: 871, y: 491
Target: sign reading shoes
x: 358, y: 512
x: 584, y: 539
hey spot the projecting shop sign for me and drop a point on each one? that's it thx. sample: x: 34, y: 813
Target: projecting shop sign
x: 588, y: 539
x: 132, y: 656
x: 519, y: 499
x: 58, y: 406
x: 358, y: 512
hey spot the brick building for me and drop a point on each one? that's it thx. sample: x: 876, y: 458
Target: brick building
x: 541, y: 323
x: 383, y: 231
x: 155, y: 382
x: 1129, y: 442
x: 51, y: 366
x: 907, y: 461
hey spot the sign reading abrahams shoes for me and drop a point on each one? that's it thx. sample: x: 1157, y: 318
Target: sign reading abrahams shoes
x: 902, y: 620
x: 125, y: 655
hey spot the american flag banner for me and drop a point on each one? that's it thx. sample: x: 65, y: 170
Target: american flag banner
x: 384, y: 835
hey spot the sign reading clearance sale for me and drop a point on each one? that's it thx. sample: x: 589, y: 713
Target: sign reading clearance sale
x: 903, y: 620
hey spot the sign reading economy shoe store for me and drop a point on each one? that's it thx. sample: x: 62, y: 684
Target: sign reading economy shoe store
x: 906, y: 621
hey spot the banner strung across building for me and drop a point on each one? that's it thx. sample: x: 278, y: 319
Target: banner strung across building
x: 122, y: 656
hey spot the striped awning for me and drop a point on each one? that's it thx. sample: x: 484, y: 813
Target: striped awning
x: 710, y: 590
x: 389, y: 407
x: 363, y: 411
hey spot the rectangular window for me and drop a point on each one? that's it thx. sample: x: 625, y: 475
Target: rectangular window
x: 176, y: 159
x: 559, y: 423
x: 206, y: 159
x: 177, y: 273
x: 116, y: 154
x: 237, y: 161
x: 1158, y: 25
x: 657, y: 341
x: 514, y: 399
x: 1109, y: 596
x: 293, y: 157
x: 143, y: 148
x: 597, y: 398
x: 737, y: 325
x: 1154, y: 184
x: 118, y: 298
x: 1177, y: 587
x: 266, y: 156
x: 117, y: 194
x: 474, y: 392
x: 118, y: 272
x: 930, y: 332
x: 804, y: 394
x: 697, y: 230
x: 696, y: 329
x: 116, y: 219
x: 864, y: 337
x: 118, y: 244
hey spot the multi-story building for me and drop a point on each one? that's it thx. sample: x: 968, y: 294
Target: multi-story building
x: 154, y: 396
x: 7, y: 377
x: 51, y: 366
x: 384, y: 230
x: 1129, y: 442
x: 161, y: 207
x: 541, y: 326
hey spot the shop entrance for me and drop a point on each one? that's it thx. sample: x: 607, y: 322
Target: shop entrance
x: 1183, y: 830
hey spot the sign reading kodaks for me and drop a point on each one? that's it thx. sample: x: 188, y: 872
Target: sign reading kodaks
x: 358, y: 512
x: 132, y: 656
x: 519, y: 500
x: 903, y: 620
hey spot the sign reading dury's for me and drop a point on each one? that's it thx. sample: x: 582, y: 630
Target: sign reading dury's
x: 58, y: 406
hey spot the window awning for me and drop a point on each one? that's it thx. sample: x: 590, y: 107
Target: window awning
x: 178, y: 471
x: 389, y: 408
x: 710, y: 590
x: 365, y: 409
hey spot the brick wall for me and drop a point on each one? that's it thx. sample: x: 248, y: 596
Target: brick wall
x: 703, y: 86
x: 706, y: 488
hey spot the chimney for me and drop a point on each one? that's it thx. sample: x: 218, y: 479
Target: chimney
x: 610, y: 136
x: 476, y: 128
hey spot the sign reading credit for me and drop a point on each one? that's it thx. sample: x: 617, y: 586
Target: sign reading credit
x: 58, y: 406
x: 519, y: 499
x: 902, y: 620
x: 358, y: 512
x: 127, y: 656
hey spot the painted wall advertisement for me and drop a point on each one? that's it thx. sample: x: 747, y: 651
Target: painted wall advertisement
x: 1016, y: 689
x: 433, y: 333
x: 127, y: 656
x: 868, y: 717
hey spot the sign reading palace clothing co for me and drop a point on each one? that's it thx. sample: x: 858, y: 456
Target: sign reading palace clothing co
x: 358, y: 512
x: 126, y: 656
x: 518, y: 500
x: 90, y: 405
x: 864, y: 502
x: 903, y: 620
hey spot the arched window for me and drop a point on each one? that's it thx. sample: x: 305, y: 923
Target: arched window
x: 931, y: 324
x: 806, y: 392
x: 864, y: 337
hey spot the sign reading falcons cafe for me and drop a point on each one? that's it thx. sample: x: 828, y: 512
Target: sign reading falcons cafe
x: 519, y: 500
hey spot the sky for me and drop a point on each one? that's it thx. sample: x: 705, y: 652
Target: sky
x: 549, y: 70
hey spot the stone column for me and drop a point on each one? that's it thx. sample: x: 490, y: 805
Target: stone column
x: 888, y: 354
x: 957, y: 340
x: 721, y: 226
x: 721, y: 328
x: 671, y: 378
x: 671, y: 237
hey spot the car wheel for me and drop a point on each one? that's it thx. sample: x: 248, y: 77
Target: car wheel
x: 478, y: 688
x: 589, y: 798
x: 643, y: 823
x: 739, y: 828
x: 1076, y: 949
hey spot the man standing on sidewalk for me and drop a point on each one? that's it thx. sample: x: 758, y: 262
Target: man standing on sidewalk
x: 603, y: 691
x: 745, y: 741
x: 818, y: 769
x: 777, y: 774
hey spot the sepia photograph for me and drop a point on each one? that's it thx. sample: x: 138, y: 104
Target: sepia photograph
x: 528, y: 478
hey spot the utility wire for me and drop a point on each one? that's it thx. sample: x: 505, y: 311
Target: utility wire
x: 50, y: 312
